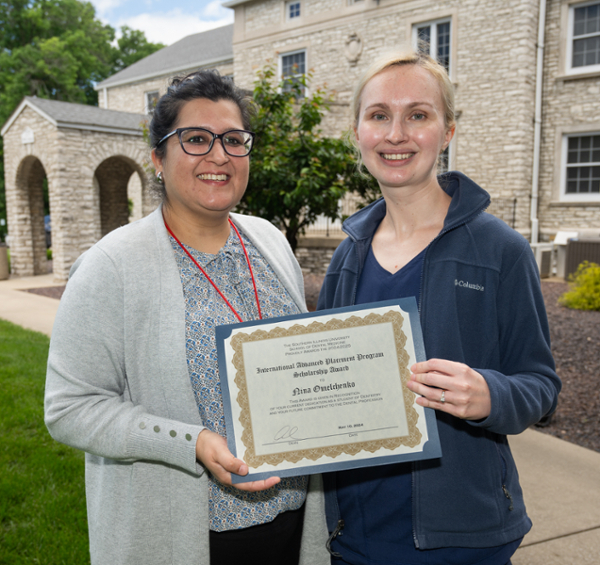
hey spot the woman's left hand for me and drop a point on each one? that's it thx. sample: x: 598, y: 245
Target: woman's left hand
x: 451, y: 387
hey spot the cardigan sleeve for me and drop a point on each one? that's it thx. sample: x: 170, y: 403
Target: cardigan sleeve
x: 91, y: 383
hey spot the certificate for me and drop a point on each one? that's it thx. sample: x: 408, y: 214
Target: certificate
x: 325, y: 391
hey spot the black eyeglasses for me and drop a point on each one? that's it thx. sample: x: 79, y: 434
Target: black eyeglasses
x: 199, y: 141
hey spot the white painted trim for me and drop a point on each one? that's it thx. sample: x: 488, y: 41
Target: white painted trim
x: 146, y: 104
x: 537, y: 132
x: 18, y: 111
x: 287, y: 5
x: 103, y: 129
x: 163, y: 73
x: 569, y: 70
x: 434, y: 37
x: 582, y: 198
x: 233, y: 3
x: 294, y: 52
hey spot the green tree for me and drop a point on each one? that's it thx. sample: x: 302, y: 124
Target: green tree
x: 132, y: 46
x: 57, y: 49
x: 296, y: 173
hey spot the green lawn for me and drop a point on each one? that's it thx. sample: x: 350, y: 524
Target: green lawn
x: 42, y: 492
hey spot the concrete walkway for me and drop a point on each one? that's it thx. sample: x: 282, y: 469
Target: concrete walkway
x: 26, y: 309
x: 561, y: 481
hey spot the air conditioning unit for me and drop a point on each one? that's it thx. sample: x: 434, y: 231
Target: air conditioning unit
x: 545, y: 264
x: 544, y: 257
x: 580, y: 250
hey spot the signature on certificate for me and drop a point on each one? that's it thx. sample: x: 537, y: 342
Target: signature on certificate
x: 286, y: 433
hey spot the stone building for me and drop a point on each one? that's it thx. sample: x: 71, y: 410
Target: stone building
x: 526, y: 76
x: 510, y: 73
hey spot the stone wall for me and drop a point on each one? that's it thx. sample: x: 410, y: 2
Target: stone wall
x: 261, y: 15
x: 25, y: 165
x: 314, y: 253
x: 131, y: 97
x: 495, y: 95
x: 493, y: 69
x: 571, y: 104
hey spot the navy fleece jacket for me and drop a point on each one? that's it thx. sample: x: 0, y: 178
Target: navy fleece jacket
x: 481, y: 305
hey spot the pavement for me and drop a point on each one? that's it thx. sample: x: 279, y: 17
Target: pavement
x: 561, y: 481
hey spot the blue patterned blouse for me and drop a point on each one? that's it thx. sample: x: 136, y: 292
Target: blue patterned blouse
x: 230, y: 508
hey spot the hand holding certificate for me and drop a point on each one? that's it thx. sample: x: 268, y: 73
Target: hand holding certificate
x: 325, y: 391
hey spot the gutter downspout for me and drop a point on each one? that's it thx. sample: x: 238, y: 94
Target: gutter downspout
x: 535, y: 181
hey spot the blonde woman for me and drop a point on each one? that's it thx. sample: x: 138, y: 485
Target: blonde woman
x: 489, y: 371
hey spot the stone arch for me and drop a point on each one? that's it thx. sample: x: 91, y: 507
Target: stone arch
x: 30, y: 220
x: 88, y: 155
x: 111, y: 178
x: 132, y: 161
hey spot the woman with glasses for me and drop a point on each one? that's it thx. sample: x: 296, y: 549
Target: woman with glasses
x: 132, y: 374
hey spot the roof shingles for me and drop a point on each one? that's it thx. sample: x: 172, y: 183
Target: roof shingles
x: 190, y: 52
x: 69, y: 113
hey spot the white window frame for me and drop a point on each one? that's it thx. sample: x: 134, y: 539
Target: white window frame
x: 581, y: 197
x: 414, y: 26
x: 147, y: 109
x: 434, y: 37
x: 570, y: 70
x: 295, y: 52
x: 288, y: 6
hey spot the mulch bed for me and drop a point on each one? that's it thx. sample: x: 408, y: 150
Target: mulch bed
x: 575, y: 336
x: 49, y: 291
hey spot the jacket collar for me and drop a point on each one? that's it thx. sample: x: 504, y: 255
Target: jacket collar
x: 468, y: 200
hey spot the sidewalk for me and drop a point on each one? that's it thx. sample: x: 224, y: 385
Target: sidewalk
x: 561, y: 481
x: 29, y: 310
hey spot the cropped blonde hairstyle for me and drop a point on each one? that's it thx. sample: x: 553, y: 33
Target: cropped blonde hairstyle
x: 408, y: 58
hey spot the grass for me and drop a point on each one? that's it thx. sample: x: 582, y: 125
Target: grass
x: 42, y: 492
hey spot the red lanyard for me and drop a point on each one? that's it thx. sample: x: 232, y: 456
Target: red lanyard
x: 211, y: 281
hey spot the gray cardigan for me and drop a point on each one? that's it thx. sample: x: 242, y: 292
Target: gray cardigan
x: 118, y: 388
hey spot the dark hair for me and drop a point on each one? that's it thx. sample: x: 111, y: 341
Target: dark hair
x: 200, y: 84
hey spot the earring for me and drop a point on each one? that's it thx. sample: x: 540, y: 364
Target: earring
x: 159, y: 177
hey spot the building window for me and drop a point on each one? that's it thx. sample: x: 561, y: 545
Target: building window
x: 444, y: 161
x: 150, y: 101
x: 293, y: 66
x: 434, y: 38
x: 584, y: 40
x: 292, y: 9
x: 581, y: 154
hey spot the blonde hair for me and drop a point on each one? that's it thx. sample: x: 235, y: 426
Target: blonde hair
x: 409, y: 58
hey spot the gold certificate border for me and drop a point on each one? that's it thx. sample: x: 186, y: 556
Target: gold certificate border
x: 411, y: 440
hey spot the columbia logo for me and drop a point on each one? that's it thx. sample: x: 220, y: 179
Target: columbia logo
x: 466, y: 284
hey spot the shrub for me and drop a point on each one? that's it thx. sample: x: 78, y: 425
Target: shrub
x: 584, y: 292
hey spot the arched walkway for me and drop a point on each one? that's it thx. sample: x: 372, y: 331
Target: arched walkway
x: 89, y: 156
x: 112, y: 177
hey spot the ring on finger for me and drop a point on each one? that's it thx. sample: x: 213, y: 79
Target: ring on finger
x: 443, y: 398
